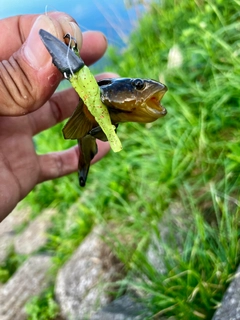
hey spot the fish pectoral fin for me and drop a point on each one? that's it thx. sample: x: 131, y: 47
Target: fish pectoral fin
x: 87, y: 150
x: 97, y: 133
x: 78, y: 125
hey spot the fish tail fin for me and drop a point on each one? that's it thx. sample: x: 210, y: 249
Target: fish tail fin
x: 88, y: 149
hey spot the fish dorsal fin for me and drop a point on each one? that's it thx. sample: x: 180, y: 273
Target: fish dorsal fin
x: 78, y: 125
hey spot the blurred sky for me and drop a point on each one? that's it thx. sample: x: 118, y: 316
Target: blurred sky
x: 108, y: 16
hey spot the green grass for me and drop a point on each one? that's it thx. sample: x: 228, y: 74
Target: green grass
x: 10, y: 265
x: 190, y: 158
x: 43, y: 306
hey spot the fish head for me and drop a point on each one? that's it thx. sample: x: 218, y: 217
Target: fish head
x: 133, y: 99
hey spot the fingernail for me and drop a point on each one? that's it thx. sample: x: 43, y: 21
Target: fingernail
x: 34, y: 50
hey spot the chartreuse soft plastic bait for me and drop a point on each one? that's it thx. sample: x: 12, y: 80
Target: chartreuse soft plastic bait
x: 83, y: 81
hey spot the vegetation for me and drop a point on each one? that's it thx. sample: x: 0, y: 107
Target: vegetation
x: 43, y: 307
x: 10, y: 265
x: 195, y: 152
x: 189, y: 160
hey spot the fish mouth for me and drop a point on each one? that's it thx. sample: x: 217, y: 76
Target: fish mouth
x: 153, y: 104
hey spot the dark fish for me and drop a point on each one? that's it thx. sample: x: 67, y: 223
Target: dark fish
x: 127, y: 100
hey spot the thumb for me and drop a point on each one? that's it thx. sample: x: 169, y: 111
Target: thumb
x: 28, y: 78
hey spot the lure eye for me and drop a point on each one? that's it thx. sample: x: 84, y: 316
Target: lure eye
x: 139, y: 84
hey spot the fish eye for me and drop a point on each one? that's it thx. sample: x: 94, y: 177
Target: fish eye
x: 139, y: 84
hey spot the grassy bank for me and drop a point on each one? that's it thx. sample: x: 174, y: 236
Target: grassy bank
x: 192, y: 157
x: 189, y: 160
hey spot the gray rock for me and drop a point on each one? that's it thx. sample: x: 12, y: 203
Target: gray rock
x: 14, y: 219
x: 82, y: 284
x: 230, y: 306
x: 29, y: 280
x: 6, y: 242
x: 7, y: 229
x: 34, y: 236
x: 123, y: 308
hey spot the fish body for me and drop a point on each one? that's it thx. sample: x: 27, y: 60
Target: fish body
x: 127, y: 100
x: 121, y: 100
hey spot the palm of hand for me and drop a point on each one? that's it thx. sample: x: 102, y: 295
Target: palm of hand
x: 20, y: 165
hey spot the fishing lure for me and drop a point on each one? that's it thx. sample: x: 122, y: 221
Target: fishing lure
x: 83, y: 82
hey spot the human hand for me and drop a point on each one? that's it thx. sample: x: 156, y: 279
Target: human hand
x: 27, y: 82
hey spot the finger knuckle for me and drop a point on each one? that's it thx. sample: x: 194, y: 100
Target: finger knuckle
x: 17, y: 93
